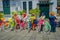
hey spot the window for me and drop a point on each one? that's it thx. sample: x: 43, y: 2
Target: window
x: 30, y: 5
x: 6, y: 3
x: 24, y: 6
x: 6, y: 6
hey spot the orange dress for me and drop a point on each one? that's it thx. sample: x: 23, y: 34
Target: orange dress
x: 32, y: 20
x: 6, y: 23
x: 1, y: 21
x: 33, y: 26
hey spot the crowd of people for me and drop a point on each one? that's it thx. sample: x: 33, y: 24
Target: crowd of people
x: 30, y: 22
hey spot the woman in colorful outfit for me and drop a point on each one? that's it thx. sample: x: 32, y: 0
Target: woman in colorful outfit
x: 47, y: 26
x: 1, y: 23
x: 11, y: 24
x: 40, y: 24
x: 17, y: 21
x: 32, y: 18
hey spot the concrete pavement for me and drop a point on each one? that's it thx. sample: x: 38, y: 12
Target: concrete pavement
x: 33, y: 35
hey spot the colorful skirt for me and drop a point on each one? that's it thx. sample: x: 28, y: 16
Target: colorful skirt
x: 17, y: 26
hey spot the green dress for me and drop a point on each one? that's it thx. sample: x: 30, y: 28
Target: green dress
x: 11, y: 22
x: 47, y: 26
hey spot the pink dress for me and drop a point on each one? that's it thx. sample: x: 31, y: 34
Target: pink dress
x: 23, y: 24
x: 40, y: 22
x: 1, y: 22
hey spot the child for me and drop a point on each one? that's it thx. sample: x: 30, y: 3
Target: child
x: 53, y: 20
x: 40, y: 24
x: 47, y: 26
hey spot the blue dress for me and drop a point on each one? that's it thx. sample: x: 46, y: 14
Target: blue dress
x: 29, y: 24
x: 53, y: 23
x: 35, y: 22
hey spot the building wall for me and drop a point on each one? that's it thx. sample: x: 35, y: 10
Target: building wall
x: 35, y: 3
x: 58, y: 7
x: 19, y: 4
x: 1, y: 5
x: 53, y: 6
x: 12, y: 5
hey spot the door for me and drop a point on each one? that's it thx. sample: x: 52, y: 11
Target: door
x: 44, y: 9
x: 6, y: 6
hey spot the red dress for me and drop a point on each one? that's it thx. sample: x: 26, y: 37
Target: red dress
x: 1, y: 22
x: 18, y: 23
x: 23, y: 24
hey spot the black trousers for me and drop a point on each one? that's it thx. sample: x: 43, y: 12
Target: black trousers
x: 41, y: 27
x: 53, y: 28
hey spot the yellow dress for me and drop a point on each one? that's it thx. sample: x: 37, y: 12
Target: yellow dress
x: 2, y: 19
x: 32, y: 18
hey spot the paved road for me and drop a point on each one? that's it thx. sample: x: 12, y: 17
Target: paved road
x: 33, y: 35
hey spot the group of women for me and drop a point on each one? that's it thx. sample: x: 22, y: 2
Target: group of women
x: 30, y: 23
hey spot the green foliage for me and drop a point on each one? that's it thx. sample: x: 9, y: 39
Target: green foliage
x: 21, y: 12
x: 18, y: 12
x: 35, y: 11
x: 1, y: 15
x: 14, y: 13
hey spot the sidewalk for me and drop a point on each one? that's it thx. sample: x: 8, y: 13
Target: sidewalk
x: 33, y: 35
